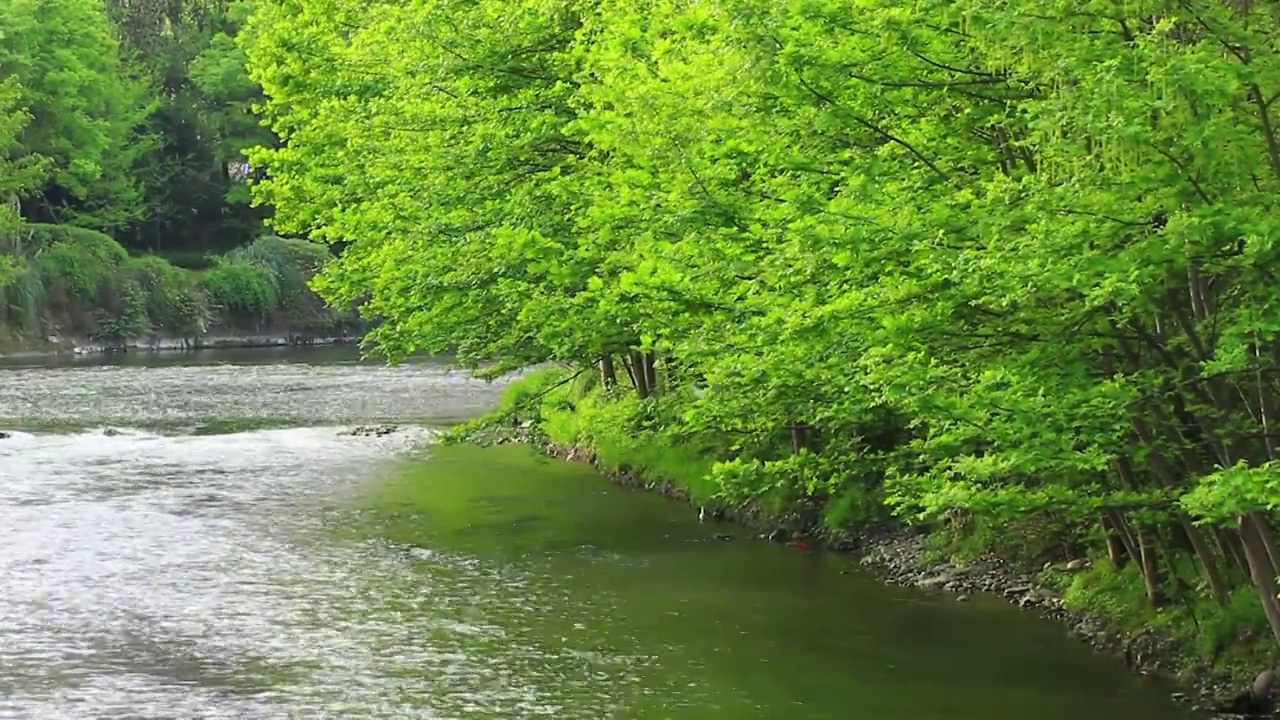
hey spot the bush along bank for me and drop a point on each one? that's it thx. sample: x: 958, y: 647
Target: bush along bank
x: 63, y: 285
x: 1061, y: 572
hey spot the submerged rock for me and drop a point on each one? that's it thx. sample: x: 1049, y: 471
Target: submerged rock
x: 933, y: 583
x: 372, y: 430
x: 4, y: 435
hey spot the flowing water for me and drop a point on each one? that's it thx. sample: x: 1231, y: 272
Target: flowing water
x: 192, y: 537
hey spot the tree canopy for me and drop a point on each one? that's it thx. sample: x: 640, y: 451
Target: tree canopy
x: 1006, y: 259
x: 129, y: 117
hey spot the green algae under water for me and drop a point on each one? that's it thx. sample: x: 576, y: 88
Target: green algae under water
x: 611, y: 603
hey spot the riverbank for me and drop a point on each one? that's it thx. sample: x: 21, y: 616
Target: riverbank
x: 1078, y: 592
x: 69, y: 289
x: 86, y: 346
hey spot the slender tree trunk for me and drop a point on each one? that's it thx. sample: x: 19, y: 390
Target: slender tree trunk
x: 650, y: 373
x: 1268, y: 538
x: 640, y: 374
x: 1208, y: 561
x: 1231, y: 548
x: 1168, y: 474
x: 1142, y: 549
x: 1116, y: 552
x: 799, y: 437
x: 1260, y: 569
x: 631, y: 372
x: 1149, y: 560
x: 1125, y: 533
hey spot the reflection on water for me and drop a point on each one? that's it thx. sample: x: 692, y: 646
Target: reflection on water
x: 300, y: 573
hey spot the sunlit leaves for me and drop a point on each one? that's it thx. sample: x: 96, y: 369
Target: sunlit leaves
x: 983, y: 249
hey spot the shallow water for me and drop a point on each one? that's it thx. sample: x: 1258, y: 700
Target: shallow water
x: 169, y: 571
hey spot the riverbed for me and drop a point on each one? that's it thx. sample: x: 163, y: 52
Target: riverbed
x: 194, y: 536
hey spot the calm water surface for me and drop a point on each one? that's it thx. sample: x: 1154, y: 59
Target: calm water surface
x: 224, y: 552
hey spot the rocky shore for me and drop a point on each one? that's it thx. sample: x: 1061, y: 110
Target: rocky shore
x: 900, y: 556
x: 81, y: 346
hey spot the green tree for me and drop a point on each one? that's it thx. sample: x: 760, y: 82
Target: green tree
x: 193, y: 182
x: 85, y: 112
x: 1006, y: 262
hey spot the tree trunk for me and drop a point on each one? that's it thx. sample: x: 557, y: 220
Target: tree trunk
x: 799, y: 437
x: 1268, y: 537
x: 1260, y: 569
x: 640, y: 374
x: 1232, y: 549
x: 608, y: 375
x: 1208, y: 561
x: 1149, y: 561
x: 1143, y: 551
x: 631, y: 371
x: 1115, y: 546
x: 1125, y: 533
x: 650, y: 373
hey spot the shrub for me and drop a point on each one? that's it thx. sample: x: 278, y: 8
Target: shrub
x: 125, y: 315
x: 77, y: 263
x: 174, y: 300
x: 292, y: 264
x: 240, y: 289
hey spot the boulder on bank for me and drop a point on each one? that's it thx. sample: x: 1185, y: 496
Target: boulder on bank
x: 1257, y: 700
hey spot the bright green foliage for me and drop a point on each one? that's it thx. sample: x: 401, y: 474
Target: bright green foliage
x: 130, y: 117
x: 994, y: 264
x: 83, y: 108
x: 18, y: 173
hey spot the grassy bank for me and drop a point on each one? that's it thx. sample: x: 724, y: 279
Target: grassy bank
x: 1214, y: 646
x: 62, y: 282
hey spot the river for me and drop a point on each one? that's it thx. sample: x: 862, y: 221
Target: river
x: 223, y: 551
